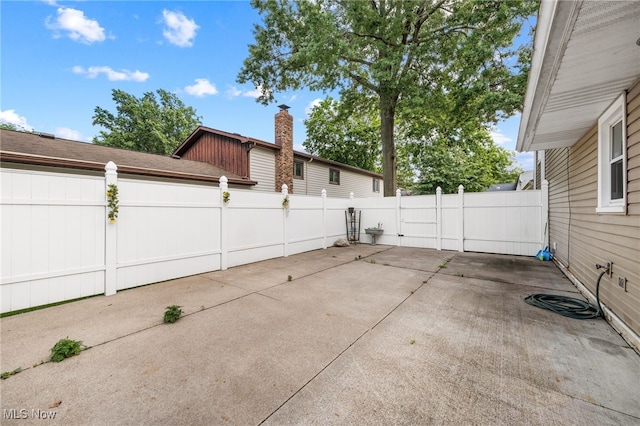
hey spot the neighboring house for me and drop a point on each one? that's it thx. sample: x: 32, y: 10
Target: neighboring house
x: 18, y: 149
x: 507, y: 186
x: 206, y: 155
x: 582, y: 116
x: 273, y: 164
x: 525, y: 181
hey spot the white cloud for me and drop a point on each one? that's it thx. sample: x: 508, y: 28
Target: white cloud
x: 500, y: 138
x: 314, y: 103
x: 525, y: 160
x: 256, y: 93
x: 292, y: 98
x: 233, y: 92
x: 112, y: 75
x: 179, y: 30
x: 202, y: 88
x: 10, y: 116
x: 77, y: 26
x: 74, y: 135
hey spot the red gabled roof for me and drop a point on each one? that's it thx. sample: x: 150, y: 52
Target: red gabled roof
x: 196, y: 134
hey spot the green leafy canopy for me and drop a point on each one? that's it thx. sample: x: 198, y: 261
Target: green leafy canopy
x: 153, y: 124
x: 428, y: 60
x: 428, y: 157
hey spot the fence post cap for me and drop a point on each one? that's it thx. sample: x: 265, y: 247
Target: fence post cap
x: 223, y: 179
x: 324, y: 193
x: 285, y: 189
x: 438, y: 190
x: 460, y: 188
x: 110, y: 166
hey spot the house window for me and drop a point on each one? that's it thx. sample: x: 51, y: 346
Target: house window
x: 334, y: 176
x: 298, y: 169
x: 376, y: 185
x: 612, y: 169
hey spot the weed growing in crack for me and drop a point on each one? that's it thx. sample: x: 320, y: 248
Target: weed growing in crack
x: 7, y: 374
x: 172, y: 314
x: 65, y: 348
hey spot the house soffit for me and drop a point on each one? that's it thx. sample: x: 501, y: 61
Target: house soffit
x: 598, y: 60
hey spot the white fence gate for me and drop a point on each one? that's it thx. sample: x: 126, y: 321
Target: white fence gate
x: 57, y: 243
x: 510, y: 222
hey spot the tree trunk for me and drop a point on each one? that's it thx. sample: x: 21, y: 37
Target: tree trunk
x: 387, y: 119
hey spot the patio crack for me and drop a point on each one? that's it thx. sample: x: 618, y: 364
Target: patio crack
x: 250, y: 293
x: 503, y: 281
x: 356, y: 340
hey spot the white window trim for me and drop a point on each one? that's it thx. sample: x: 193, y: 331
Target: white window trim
x: 294, y: 169
x: 332, y: 169
x: 616, y: 112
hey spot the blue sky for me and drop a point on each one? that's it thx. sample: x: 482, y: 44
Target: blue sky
x: 61, y: 59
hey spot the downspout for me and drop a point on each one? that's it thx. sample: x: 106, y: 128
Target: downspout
x: 535, y: 170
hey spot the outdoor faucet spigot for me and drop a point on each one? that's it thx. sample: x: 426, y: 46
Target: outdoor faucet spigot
x: 607, y: 267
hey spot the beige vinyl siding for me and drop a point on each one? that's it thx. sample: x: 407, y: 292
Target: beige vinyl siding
x: 318, y: 179
x: 557, y: 170
x: 300, y: 186
x: 263, y: 169
x: 598, y: 238
x: 633, y: 150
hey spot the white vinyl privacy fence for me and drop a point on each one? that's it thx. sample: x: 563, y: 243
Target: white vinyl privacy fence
x: 58, y: 244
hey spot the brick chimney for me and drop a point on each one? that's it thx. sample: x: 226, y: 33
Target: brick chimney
x: 284, y: 157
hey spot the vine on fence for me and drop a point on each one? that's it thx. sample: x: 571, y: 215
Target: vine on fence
x: 112, y: 202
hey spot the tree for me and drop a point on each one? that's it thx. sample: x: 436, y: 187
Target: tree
x: 338, y: 133
x: 148, y: 124
x: 427, y: 156
x: 407, y: 54
x: 473, y: 161
x: 16, y: 127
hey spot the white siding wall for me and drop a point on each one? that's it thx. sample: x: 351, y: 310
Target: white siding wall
x: 301, y: 186
x: 585, y: 237
x: 360, y: 185
x: 262, y: 165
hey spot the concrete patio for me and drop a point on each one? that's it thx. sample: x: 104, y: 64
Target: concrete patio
x: 359, y: 335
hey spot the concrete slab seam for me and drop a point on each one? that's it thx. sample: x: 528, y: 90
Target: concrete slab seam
x: 505, y: 282
x: 347, y: 348
x: 256, y: 292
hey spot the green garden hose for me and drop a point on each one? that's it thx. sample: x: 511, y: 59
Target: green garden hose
x: 568, y: 306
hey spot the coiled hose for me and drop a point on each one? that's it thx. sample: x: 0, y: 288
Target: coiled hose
x: 568, y: 306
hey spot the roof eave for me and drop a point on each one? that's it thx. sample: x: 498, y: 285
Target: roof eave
x: 39, y: 160
x: 555, y: 22
x: 585, y: 55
